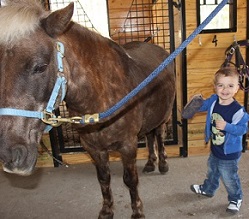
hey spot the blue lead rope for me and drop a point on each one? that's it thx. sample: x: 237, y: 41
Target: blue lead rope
x: 158, y: 70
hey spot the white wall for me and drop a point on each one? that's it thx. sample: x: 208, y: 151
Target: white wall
x: 88, y: 13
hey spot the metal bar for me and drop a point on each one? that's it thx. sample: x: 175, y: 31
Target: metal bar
x: 184, y: 149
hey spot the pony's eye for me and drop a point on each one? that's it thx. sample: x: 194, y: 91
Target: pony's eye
x: 40, y: 68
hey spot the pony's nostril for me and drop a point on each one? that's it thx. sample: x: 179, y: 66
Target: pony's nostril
x: 19, y: 154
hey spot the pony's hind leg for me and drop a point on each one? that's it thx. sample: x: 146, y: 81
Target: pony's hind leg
x: 130, y: 178
x: 101, y: 162
x: 152, y: 157
x: 162, y: 164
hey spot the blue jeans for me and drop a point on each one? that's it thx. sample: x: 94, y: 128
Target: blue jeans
x: 227, y: 170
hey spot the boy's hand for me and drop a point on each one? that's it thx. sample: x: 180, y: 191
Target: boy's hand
x: 220, y: 124
x: 192, y: 106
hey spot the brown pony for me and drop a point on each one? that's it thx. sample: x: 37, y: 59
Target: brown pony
x: 98, y: 73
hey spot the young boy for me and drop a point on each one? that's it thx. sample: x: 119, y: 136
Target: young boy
x: 226, y: 123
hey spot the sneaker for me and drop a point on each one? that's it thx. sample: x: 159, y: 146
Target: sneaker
x: 197, y: 189
x: 234, y: 206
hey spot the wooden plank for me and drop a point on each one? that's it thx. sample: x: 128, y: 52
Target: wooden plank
x: 196, y: 131
x: 200, y: 77
x: 77, y: 158
x: 125, y: 17
x: 199, y: 118
x: 44, y: 159
x: 198, y: 147
x: 199, y: 55
x: 114, y: 4
x: 224, y: 41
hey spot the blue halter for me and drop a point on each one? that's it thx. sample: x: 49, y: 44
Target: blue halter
x: 59, y: 84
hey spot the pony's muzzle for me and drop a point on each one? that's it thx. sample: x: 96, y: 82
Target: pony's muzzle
x: 20, y: 163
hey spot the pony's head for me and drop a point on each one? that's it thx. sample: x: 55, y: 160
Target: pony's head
x: 28, y: 73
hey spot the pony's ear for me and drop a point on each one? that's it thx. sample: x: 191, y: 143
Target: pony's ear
x: 57, y: 22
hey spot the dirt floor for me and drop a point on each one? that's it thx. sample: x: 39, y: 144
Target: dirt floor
x: 74, y: 192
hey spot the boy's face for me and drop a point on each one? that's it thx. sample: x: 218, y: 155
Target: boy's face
x: 226, y: 87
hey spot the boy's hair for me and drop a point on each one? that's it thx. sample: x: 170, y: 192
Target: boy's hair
x: 227, y: 72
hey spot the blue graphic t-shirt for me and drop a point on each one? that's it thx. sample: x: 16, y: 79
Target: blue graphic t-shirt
x: 222, y: 112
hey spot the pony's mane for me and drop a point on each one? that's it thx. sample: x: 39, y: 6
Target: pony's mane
x: 19, y: 18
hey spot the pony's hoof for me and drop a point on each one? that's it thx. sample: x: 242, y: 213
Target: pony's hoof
x: 105, y: 215
x: 149, y: 168
x: 136, y: 216
x: 163, y: 167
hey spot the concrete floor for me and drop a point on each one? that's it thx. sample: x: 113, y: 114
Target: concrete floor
x: 74, y: 192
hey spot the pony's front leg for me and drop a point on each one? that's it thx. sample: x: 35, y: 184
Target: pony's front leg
x: 101, y: 161
x: 130, y: 178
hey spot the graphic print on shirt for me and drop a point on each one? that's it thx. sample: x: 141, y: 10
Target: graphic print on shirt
x: 218, y: 137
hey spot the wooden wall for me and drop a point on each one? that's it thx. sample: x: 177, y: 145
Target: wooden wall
x: 202, y: 62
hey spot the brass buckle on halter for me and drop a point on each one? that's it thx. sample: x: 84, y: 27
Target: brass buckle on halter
x: 54, y: 121
x: 50, y: 118
x: 75, y: 120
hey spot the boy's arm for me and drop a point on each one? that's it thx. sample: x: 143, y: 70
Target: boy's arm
x: 238, y: 127
x: 197, y: 104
